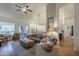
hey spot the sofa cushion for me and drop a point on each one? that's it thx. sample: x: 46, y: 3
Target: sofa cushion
x: 52, y: 39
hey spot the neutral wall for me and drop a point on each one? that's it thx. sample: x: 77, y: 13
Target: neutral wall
x: 66, y: 19
x: 50, y: 12
x: 76, y: 29
x: 58, y: 6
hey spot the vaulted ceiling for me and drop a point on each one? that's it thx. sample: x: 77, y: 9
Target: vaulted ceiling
x: 8, y: 10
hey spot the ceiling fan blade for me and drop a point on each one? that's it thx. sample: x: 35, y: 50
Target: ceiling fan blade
x: 18, y: 6
x: 18, y: 10
x: 25, y: 12
x: 29, y: 10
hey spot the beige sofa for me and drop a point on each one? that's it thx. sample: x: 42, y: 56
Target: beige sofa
x: 3, y: 38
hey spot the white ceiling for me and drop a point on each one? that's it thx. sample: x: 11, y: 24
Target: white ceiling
x: 9, y: 10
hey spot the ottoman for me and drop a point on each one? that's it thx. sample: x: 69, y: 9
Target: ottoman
x: 27, y: 43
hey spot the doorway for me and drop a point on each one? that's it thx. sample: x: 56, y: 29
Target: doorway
x: 66, y: 26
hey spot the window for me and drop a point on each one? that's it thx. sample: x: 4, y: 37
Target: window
x: 23, y: 31
x: 6, y: 28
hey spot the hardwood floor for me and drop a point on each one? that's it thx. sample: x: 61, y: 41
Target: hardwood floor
x: 6, y: 50
x: 67, y: 42
x: 66, y: 48
x: 13, y: 48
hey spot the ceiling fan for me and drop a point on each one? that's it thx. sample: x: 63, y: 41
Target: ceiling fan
x: 24, y: 8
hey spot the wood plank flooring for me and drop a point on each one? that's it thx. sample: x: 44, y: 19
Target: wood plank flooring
x: 6, y: 50
x: 13, y: 48
x: 66, y: 48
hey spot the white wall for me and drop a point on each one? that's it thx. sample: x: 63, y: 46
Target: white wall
x: 51, y: 12
x: 76, y: 29
x: 58, y: 6
x: 61, y: 19
x: 66, y: 19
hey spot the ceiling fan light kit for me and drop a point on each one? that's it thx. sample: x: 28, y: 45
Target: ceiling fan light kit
x: 24, y: 9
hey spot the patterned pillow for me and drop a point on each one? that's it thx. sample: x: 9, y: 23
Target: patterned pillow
x: 47, y: 46
x: 52, y: 39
